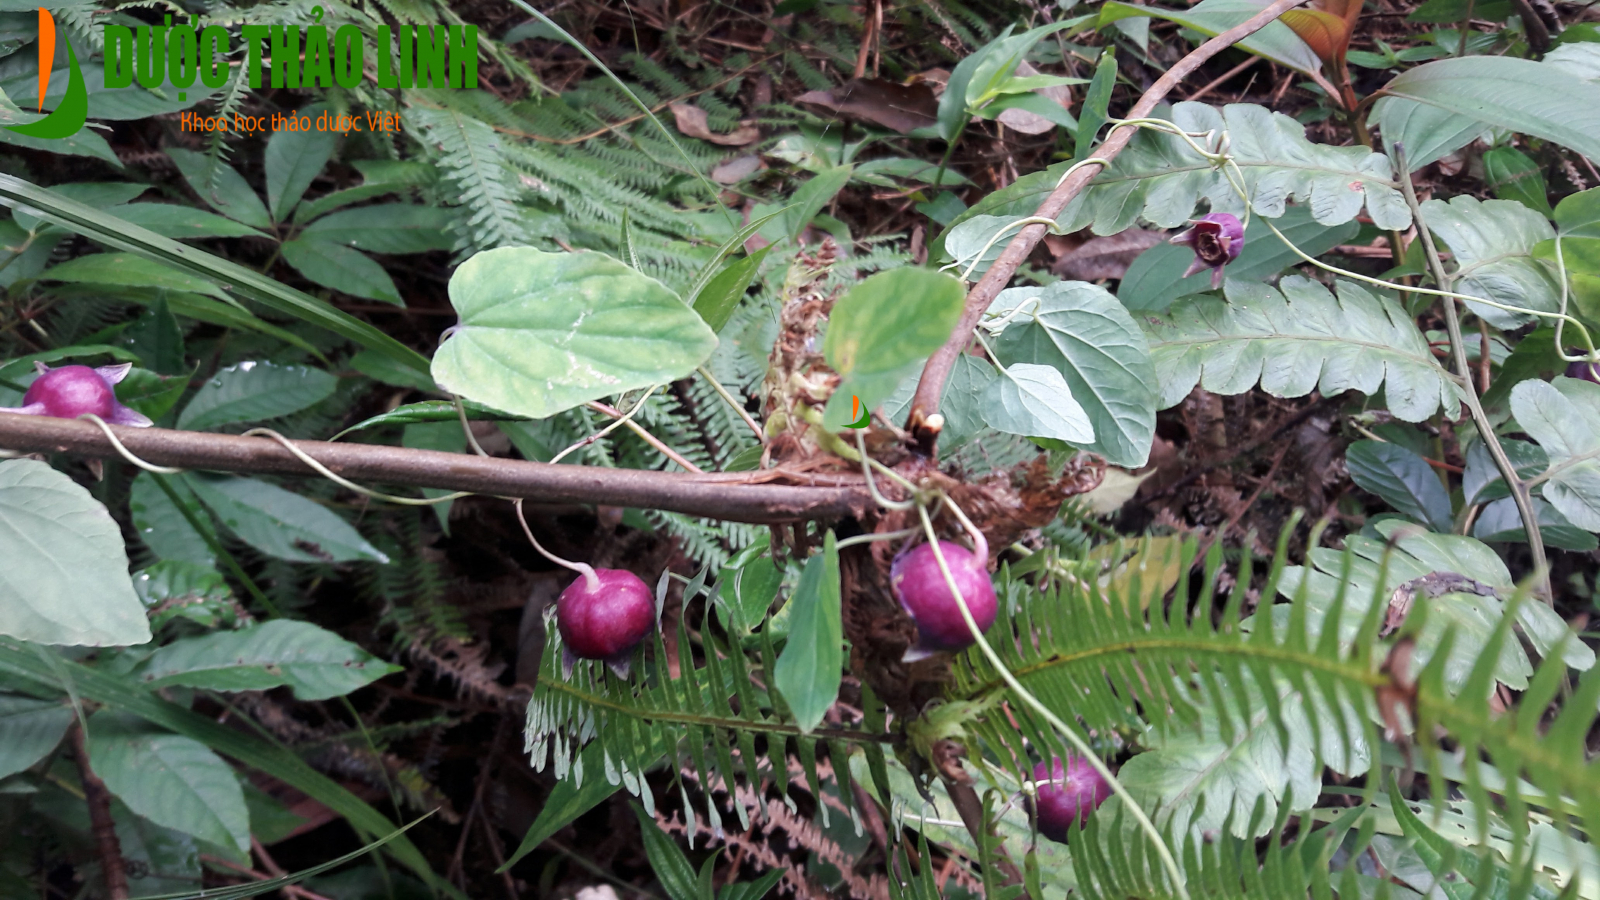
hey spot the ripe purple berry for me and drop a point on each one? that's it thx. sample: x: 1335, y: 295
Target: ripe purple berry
x: 1586, y: 371
x: 1064, y: 792
x: 606, y: 617
x: 921, y: 588
x: 72, y: 391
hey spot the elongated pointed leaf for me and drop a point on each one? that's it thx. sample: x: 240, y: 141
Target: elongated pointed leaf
x: 253, y: 392
x: 807, y: 672
x: 1403, y: 479
x: 1515, y: 94
x: 1564, y: 417
x: 280, y: 523
x: 293, y: 160
x: 315, y: 662
x: 29, y: 729
x: 113, y: 232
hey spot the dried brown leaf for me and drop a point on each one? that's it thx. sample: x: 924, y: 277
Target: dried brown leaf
x: 1105, y: 257
x: 1033, y: 123
x: 692, y: 122
x: 898, y: 107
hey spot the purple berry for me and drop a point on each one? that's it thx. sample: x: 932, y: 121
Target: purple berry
x: 1066, y: 792
x: 921, y: 588
x: 1216, y: 239
x: 608, y: 621
x: 72, y: 391
x: 1586, y: 371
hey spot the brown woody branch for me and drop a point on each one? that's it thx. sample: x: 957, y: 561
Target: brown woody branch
x: 769, y: 496
x: 931, y: 386
x: 98, y: 797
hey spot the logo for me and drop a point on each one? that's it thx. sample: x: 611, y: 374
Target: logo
x: 72, y: 112
x: 861, y: 416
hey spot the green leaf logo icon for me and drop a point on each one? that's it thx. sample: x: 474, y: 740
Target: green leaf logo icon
x: 69, y: 117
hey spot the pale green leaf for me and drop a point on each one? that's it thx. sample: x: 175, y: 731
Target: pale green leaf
x: 1276, y: 41
x: 254, y: 391
x: 811, y: 197
x: 316, y: 663
x: 279, y: 523
x: 544, y: 332
x: 1507, y: 92
x: 881, y: 328
x: 65, y: 578
x: 807, y: 673
x: 1161, y: 179
x: 174, y: 781
x: 29, y: 729
x: 1080, y: 330
x: 1035, y: 401
x: 1500, y: 521
x: 1491, y: 242
x: 339, y: 268
x: 1427, y: 133
x: 1296, y: 341
x: 1564, y: 417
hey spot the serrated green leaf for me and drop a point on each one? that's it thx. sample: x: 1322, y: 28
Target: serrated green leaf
x: 1564, y: 417
x: 129, y: 270
x: 1296, y: 341
x: 1491, y: 242
x: 65, y: 578
x: 254, y: 391
x: 221, y: 187
x: 1035, y: 401
x: 162, y: 526
x: 172, y: 780
x: 671, y: 867
x: 543, y: 332
x: 339, y: 268
x: 1161, y: 178
x: 293, y: 159
x: 1080, y: 330
x: 183, y: 222
x: 882, y: 327
x: 386, y: 228
x: 29, y: 729
x: 316, y: 663
x: 1156, y: 276
x: 279, y: 523
x: 808, y: 669
x: 1403, y: 479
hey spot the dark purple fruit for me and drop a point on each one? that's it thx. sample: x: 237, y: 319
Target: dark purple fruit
x: 605, y: 621
x: 1064, y: 792
x: 1587, y: 371
x: 921, y: 588
x: 72, y: 391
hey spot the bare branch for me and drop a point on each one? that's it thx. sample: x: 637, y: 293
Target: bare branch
x: 760, y: 497
x: 931, y: 386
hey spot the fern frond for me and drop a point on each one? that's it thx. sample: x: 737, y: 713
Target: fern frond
x: 473, y: 158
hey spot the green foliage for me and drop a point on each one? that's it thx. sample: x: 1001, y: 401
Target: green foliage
x: 880, y: 329
x: 541, y: 332
x: 807, y: 673
x: 67, y: 571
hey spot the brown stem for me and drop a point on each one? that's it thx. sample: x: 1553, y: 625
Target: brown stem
x: 730, y: 496
x: 931, y: 385
x: 100, y: 823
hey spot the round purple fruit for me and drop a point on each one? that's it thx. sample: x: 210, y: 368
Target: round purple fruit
x: 607, y: 616
x: 923, y: 593
x: 72, y: 391
x: 1064, y: 792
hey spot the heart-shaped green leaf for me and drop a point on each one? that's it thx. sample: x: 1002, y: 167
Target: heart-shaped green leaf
x: 543, y: 332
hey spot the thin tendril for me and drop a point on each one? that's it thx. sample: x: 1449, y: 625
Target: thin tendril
x: 1031, y: 701
x: 872, y: 486
x: 1017, y: 223
x: 628, y: 416
x: 869, y: 538
x: 325, y: 472
x: 591, y: 580
x: 466, y: 429
x: 126, y: 453
x: 729, y: 398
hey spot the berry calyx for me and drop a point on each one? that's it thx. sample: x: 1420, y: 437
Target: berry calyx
x: 1064, y: 792
x: 72, y: 391
x: 606, y: 615
x: 1586, y: 371
x: 924, y: 594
